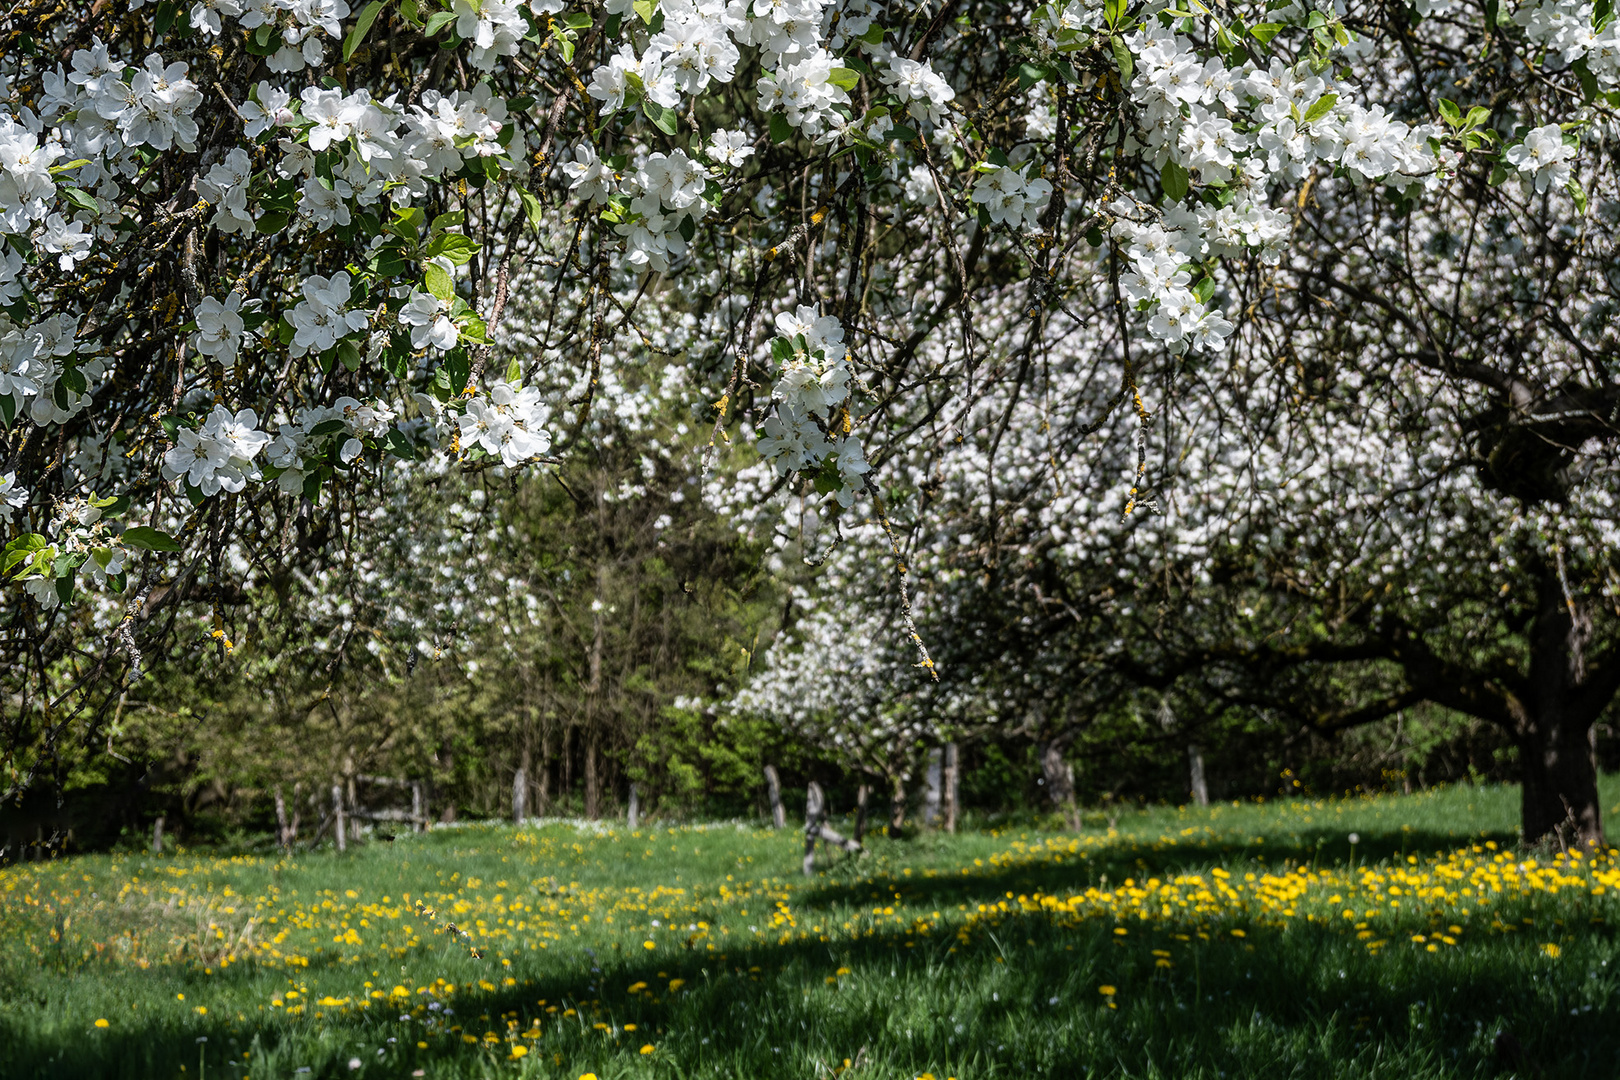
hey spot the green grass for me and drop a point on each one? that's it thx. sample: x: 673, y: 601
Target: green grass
x: 935, y: 955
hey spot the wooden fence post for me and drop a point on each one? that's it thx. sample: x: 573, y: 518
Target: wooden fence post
x: 1200, y: 786
x: 520, y: 795
x: 952, y: 782
x: 932, y: 784
x: 297, y: 815
x: 862, y: 793
x: 157, y: 836
x: 282, y: 835
x: 815, y: 803
x: 773, y: 788
x: 337, y: 809
x: 635, y: 808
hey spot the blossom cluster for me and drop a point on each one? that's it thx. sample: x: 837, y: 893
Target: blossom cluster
x: 809, y: 427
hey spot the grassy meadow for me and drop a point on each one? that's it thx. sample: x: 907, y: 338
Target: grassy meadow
x: 1371, y: 937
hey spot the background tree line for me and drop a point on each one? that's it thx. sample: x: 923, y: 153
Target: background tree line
x: 544, y: 642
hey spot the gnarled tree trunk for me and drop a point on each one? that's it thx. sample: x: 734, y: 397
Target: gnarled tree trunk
x: 1555, y: 724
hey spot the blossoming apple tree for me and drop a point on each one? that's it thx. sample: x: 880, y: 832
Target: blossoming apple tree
x: 254, y: 249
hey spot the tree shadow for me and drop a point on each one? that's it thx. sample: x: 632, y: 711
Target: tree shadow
x: 1022, y: 996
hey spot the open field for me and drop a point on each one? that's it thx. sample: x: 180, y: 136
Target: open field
x: 1238, y: 941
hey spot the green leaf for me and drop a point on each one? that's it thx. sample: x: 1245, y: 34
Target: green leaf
x: 411, y: 11
x: 272, y: 223
x: 80, y: 198
x: 1264, y: 32
x: 1450, y: 113
x: 1589, y: 83
x: 438, y: 282
x: 781, y: 130
x: 514, y: 371
x: 781, y: 350
x: 164, y: 19
x: 21, y: 550
x: 1578, y: 194
x: 873, y: 35
x: 532, y: 210
x: 903, y: 132
x: 1122, y: 57
x: 1113, y: 11
x: 457, y: 248
x: 844, y: 78
x: 349, y: 354
x: 1094, y: 236
x: 438, y: 21
x: 827, y: 478
x: 362, y: 26
x: 455, y: 364
x: 327, y: 427
x: 1173, y: 178
x: 644, y: 10
x: 1030, y: 74
x: 149, y: 539
x: 67, y: 562
x: 1204, y: 289
x: 1321, y: 107
x: 688, y: 228
x: 386, y: 262
x: 663, y: 117
x: 397, y: 444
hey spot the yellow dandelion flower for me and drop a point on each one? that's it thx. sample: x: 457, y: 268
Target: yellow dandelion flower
x: 102, y: 1024
x: 1552, y: 950
x: 648, y: 945
x: 1107, y: 991
x: 647, y: 1048
x: 518, y: 1051
x: 629, y: 1027
x: 1239, y: 933
x: 1121, y: 931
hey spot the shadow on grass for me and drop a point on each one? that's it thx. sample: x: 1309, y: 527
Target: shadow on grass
x: 1020, y: 998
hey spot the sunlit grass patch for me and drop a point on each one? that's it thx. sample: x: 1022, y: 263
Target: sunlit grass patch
x: 1178, y: 943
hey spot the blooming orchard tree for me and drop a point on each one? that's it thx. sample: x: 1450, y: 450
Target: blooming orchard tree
x: 256, y: 248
